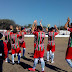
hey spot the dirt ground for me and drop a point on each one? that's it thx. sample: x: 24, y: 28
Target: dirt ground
x: 60, y: 64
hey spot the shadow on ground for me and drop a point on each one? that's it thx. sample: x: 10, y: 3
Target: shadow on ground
x: 55, y: 68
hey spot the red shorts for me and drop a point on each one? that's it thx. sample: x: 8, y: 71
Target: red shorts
x: 22, y: 45
x: 34, y: 45
x: 69, y: 53
x: 9, y: 46
x: 6, y: 53
x: 52, y: 48
x: 16, y: 51
x: 38, y: 54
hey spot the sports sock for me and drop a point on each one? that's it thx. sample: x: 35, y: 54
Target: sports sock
x: 52, y: 57
x: 24, y: 51
x: 12, y: 58
x: 19, y: 55
x: 50, y: 53
x: 35, y: 63
x: 69, y: 62
x: 47, y: 55
x: 42, y: 63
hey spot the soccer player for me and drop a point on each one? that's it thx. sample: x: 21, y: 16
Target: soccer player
x: 51, y: 42
x: 3, y: 51
x: 39, y: 49
x: 35, y: 29
x: 7, y: 35
x: 69, y: 48
x: 21, y: 40
x: 15, y: 46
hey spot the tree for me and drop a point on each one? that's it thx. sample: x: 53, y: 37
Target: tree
x: 61, y: 28
x: 6, y: 23
x: 29, y: 25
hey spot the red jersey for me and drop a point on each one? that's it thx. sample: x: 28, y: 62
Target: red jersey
x: 7, y: 35
x: 14, y: 41
x: 21, y: 36
x: 51, y: 38
x: 40, y: 40
x: 5, y: 49
x: 70, y: 38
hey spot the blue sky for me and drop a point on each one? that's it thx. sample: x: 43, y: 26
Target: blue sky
x: 24, y: 12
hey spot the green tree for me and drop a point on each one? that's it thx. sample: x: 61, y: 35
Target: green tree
x: 6, y: 23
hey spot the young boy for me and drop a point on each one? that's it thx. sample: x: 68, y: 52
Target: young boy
x: 21, y: 40
x: 39, y: 49
x: 7, y: 35
x: 51, y: 42
x: 3, y: 51
x: 15, y: 46
x: 35, y: 29
x: 69, y: 49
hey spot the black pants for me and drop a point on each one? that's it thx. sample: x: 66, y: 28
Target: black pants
x: 1, y: 63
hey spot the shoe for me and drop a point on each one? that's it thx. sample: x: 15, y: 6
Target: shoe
x: 47, y: 60
x: 31, y: 69
x: 23, y: 57
x: 18, y: 62
x: 6, y: 61
x: 13, y: 63
x: 43, y: 71
x: 52, y: 62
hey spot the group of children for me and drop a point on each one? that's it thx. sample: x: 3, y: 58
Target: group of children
x: 15, y: 39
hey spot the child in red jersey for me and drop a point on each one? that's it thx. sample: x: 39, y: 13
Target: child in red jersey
x: 21, y: 40
x: 69, y: 49
x: 15, y: 46
x: 7, y: 35
x: 39, y: 49
x: 51, y: 42
x: 35, y: 29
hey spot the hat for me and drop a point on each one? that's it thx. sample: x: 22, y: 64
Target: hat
x: 1, y: 35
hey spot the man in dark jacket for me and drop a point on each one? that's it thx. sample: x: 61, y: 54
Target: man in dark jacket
x: 3, y: 51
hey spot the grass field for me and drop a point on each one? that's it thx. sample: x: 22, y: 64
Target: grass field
x: 60, y: 64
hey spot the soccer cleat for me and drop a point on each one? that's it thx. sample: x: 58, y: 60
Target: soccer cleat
x: 18, y: 62
x: 43, y: 71
x: 6, y: 61
x: 52, y: 62
x: 23, y: 57
x: 47, y: 60
x: 31, y: 69
x: 13, y: 63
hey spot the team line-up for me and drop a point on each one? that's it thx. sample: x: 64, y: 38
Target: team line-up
x: 14, y: 39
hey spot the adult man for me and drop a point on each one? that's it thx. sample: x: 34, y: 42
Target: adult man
x: 39, y: 49
x: 21, y: 40
x: 15, y: 46
x: 7, y: 35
